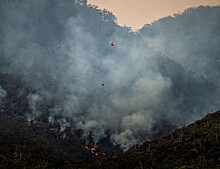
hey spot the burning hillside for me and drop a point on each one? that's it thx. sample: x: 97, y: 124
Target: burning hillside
x: 93, y: 150
x: 75, y: 84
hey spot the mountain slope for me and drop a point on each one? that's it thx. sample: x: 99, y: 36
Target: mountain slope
x: 194, y: 146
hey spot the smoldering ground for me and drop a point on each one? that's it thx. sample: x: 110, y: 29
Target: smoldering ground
x: 61, y: 49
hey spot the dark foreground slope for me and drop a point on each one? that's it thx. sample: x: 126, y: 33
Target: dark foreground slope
x: 24, y: 146
x: 194, y: 146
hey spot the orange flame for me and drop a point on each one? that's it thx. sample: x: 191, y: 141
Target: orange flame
x: 92, y: 150
x: 87, y: 148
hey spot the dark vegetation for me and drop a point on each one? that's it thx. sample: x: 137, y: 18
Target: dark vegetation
x: 194, y: 146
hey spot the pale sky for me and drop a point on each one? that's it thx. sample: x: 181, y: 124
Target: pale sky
x: 137, y: 13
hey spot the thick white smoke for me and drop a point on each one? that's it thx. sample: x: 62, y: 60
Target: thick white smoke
x: 132, y: 86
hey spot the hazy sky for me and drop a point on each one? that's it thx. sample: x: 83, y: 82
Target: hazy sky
x: 136, y: 13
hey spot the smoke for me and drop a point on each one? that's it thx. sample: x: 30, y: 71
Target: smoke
x: 3, y: 93
x: 190, y: 38
x: 34, y: 103
x: 62, y: 51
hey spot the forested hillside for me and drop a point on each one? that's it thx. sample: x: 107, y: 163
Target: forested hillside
x: 58, y: 67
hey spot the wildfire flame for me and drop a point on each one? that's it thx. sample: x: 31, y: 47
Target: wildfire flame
x: 93, y: 151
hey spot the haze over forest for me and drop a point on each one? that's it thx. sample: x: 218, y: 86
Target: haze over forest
x: 165, y: 73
